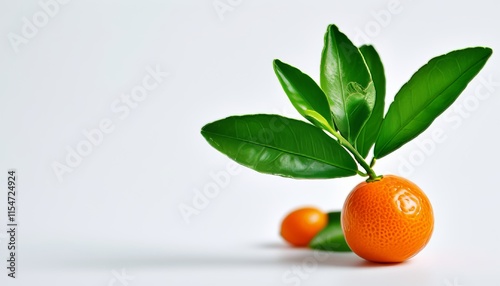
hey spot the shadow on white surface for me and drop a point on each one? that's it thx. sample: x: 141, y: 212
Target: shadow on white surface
x: 337, y: 259
x: 260, y: 255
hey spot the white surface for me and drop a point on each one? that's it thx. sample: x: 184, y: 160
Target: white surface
x: 119, y: 208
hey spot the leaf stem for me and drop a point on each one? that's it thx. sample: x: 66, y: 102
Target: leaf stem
x: 361, y: 173
x: 369, y: 171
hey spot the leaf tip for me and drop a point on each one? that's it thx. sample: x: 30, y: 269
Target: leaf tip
x: 278, y: 64
x: 489, y: 51
x: 203, y: 130
x: 332, y: 27
x: 368, y: 48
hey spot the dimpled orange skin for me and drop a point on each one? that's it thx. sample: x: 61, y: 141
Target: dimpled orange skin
x: 301, y: 226
x: 387, y: 221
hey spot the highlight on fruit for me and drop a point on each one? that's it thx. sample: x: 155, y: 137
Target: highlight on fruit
x: 386, y: 218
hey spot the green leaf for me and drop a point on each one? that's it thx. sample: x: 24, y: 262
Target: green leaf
x: 305, y: 95
x: 369, y: 132
x: 281, y: 146
x: 429, y: 92
x: 347, y: 83
x: 331, y: 238
x: 321, y: 122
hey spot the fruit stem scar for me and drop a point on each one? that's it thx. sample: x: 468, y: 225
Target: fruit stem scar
x: 378, y: 178
x: 342, y: 141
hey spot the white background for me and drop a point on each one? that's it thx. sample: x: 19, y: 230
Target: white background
x: 119, y: 208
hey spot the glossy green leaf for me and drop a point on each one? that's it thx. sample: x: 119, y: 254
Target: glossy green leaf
x: 276, y: 145
x: 347, y: 83
x: 305, y: 95
x: 331, y: 238
x: 428, y: 93
x: 369, y: 132
x: 319, y: 120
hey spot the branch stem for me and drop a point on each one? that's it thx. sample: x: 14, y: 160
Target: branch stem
x: 369, y: 171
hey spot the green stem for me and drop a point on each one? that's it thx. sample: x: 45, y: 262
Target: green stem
x: 372, y: 176
x: 361, y: 173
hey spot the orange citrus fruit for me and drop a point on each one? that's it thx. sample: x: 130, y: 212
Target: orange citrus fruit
x: 387, y: 221
x: 301, y: 226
